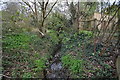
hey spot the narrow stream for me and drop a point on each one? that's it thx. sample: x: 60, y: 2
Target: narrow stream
x: 56, y: 69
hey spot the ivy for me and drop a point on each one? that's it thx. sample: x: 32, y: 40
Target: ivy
x: 40, y: 64
x: 73, y: 64
x: 16, y: 41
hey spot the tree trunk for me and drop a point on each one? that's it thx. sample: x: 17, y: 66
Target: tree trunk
x: 118, y: 66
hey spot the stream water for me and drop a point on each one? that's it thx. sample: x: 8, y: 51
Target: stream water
x: 56, y: 69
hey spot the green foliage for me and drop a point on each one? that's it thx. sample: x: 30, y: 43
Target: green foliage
x: 53, y: 36
x: 73, y: 64
x: 66, y: 60
x: 57, y: 26
x: 76, y: 40
x: 27, y: 75
x: 92, y: 7
x: 16, y: 41
x: 99, y: 68
x: 110, y: 10
x: 86, y: 33
x: 25, y: 53
x: 73, y: 44
x: 43, y: 45
x: 56, y: 21
x: 19, y: 47
x: 40, y: 64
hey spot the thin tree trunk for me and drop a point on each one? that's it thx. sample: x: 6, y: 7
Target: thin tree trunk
x: 118, y: 43
x: 118, y: 66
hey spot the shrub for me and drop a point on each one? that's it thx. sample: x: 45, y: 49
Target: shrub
x: 27, y: 75
x: 16, y: 41
x: 40, y: 64
x: 73, y: 64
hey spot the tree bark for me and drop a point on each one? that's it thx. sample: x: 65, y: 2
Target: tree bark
x: 118, y: 66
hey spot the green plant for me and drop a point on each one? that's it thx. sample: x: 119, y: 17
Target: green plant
x: 27, y: 75
x: 86, y: 34
x: 66, y: 60
x: 73, y: 64
x: 16, y: 41
x: 53, y: 36
x: 40, y: 64
x: 76, y: 66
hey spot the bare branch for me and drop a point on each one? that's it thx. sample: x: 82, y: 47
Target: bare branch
x: 46, y: 4
x: 28, y: 5
x: 40, y: 4
x: 50, y: 9
x: 5, y: 76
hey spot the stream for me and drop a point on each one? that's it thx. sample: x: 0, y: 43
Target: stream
x: 56, y: 69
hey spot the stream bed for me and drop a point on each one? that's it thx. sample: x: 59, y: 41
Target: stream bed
x: 56, y: 70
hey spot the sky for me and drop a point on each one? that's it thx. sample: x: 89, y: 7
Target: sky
x: 2, y: 5
x: 111, y: 1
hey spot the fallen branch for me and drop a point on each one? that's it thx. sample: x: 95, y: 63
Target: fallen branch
x: 5, y: 76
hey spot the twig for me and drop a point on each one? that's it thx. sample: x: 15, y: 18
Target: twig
x: 5, y: 76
